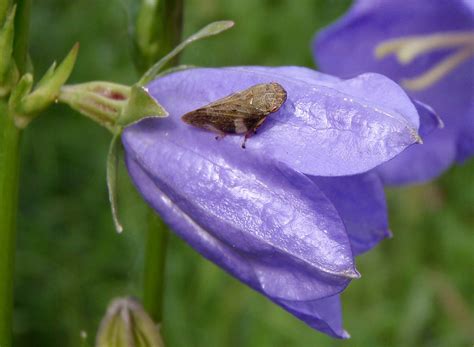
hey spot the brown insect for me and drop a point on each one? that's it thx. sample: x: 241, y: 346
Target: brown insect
x: 239, y: 113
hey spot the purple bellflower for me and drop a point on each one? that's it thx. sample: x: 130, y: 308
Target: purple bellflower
x: 428, y: 47
x: 287, y: 214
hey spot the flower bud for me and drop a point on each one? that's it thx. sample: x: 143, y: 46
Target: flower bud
x: 47, y: 89
x: 25, y: 104
x: 126, y: 324
x: 99, y: 100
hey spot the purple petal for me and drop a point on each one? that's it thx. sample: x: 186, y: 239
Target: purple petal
x: 360, y: 201
x: 347, y: 48
x: 324, y: 315
x: 466, y: 139
x: 429, y: 119
x: 264, y: 223
x: 327, y: 127
x: 422, y: 162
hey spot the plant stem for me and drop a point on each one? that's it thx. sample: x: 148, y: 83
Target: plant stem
x: 9, y: 179
x: 157, y: 31
x: 155, y: 259
x: 154, y: 40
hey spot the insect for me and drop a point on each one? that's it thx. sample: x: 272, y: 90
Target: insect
x: 239, y: 113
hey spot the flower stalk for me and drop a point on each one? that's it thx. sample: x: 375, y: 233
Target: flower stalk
x: 158, y: 30
x: 154, y: 271
x: 9, y: 186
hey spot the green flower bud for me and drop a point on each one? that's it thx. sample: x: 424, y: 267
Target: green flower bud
x: 101, y: 101
x: 47, y: 89
x: 126, y: 324
x: 25, y: 104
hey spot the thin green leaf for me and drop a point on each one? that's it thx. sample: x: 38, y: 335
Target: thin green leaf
x: 209, y: 30
x: 112, y: 169
x: 6, y: 43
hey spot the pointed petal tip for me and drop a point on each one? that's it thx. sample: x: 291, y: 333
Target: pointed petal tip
x: 353, y: 274
x: 417, y: 137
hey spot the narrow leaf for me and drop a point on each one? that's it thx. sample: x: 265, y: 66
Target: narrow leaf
x: 209, y: 30
x: 6, y: 43
x: 112, y: 168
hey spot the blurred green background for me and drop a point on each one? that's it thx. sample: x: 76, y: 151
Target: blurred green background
x: 417, y: 289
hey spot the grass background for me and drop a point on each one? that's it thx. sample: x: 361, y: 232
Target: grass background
x: 417, y: 289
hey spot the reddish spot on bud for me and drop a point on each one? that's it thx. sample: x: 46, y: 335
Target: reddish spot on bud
x: 111, y: 94
x: 117, y: 96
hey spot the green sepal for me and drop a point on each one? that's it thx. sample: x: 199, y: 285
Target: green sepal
x: 209, y: 30
x: 48, y: 88
x: 112, y: 173
x: 140, y: 105
x: 101, y: 101
x: 6, y: 46
x: 127, y: 324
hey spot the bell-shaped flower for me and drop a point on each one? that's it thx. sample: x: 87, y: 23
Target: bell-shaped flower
x: 426, y: 46
x: 287, y: 214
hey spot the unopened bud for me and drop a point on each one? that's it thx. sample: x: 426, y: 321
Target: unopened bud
x: 101, y: 101
x: 126, y: 324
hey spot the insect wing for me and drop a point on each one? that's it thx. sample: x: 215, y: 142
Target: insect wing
x: 239, y: 112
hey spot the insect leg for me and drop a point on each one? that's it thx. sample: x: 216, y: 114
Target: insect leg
x: 247, y: 135
x: 220, y: 136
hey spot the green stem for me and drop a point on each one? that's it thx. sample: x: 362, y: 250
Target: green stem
x: 157, y: 32
x: 155, y: 260
x: 9, y: 178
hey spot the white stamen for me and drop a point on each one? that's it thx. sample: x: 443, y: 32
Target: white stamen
x: 408, y: 48
x: 438, y: 71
